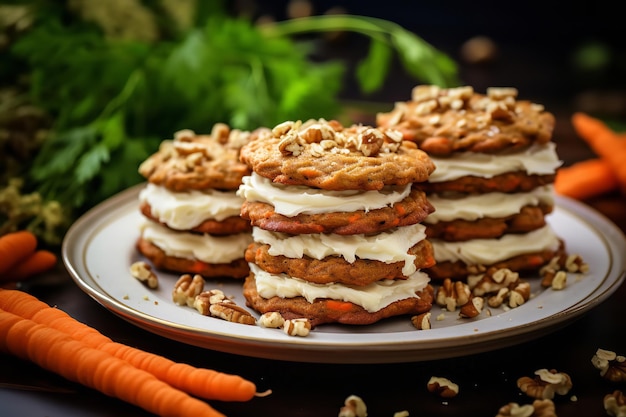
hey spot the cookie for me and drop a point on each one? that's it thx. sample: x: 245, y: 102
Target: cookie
x: 198, y: 162
x: 361, y: 272
x: 445, y: 121
x: 526, y: 263
x: 237, y: 269
x: 528, y: 219
x: 412, y: 209
x: 324, y: 154
x: 521, y: 252
x: 227, y: 226
x: 493, y: 186
x: 509, y: 182
x: 336, y: 223
x: 326, y: 310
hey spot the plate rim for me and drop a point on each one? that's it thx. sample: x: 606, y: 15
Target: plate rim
x: 303, y: 350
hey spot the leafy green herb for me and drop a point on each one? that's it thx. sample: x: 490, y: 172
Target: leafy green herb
x: 114, y: 100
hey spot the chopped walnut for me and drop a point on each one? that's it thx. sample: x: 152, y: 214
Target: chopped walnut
x: 499, y: 286
x: 442, y: 387
x: 554, y: 273
x: 272, y: 320
x: 297, y: 327
x: 143, y: 272
x: 574, y: 263
x: 187, y: 288
x: 546, y: 384
x: 539, y: 408
x: 610, y: 365
x: 499, y: 298
x: 421, y: 321
x: 615, y: 404
x: 452, y: 294
x: 492, y: 281
x: 472, y: 308
x: 354, y: 406
x: 205, y: 299
x: 230, y: 311
x: 320, y: 136
x: 519, y: 294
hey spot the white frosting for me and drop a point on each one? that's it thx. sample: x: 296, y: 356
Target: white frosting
x: 372, y: 297
x: 540, y: 159
x: 494, y: 205
x: 292, y: 200
x: 202, y: 247
x: 489, y: 251
x: 185, y: 210
x: 390, y: 246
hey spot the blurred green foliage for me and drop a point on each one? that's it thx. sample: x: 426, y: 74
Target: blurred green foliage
x: 112, y: 79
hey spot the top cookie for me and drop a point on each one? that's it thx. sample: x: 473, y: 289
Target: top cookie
x: 443, y: 121
x: 326, y: 155
x: 197, y: 162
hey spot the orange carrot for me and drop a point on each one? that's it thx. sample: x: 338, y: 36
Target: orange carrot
x: 201, y: 382
x: 37, y: 262
x: 606, y: 143
x: 15, y: 247
x: 60, y: 353
x: 586, y: 179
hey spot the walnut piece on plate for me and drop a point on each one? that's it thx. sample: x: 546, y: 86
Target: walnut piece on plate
x: 144, y: 273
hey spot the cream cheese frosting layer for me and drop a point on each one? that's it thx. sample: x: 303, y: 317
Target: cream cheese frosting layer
x: 372, y: 297
x: 538, y: 159
x: 293, y: 200
x: 490, y: 251
x: 202, y: 247
x: 390, y: 246
x: 185, y: 210
x: 491, y: 205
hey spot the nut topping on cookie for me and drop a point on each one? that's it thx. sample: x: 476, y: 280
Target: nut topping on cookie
x: 325, y: 154
x: 195, y: 162
x: 329, y: 136
x: 442, y: 121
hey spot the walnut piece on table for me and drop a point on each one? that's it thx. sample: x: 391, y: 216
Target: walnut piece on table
x: 354, y: 406
x: 545, y: 384
x: 610, y: 365
x: 539, y: 408
x: 442, y: 387
x: 615, y: 404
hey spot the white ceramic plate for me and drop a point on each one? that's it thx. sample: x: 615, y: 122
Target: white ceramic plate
x: 100, y: 247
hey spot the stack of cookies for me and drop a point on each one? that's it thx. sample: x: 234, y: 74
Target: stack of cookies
x: 337, y: 233
x: 493, y: 184
x: 191, y: 209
